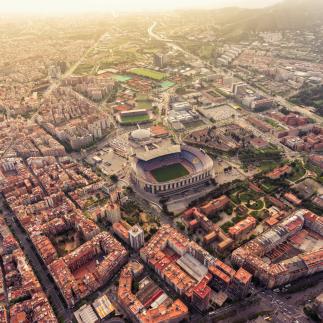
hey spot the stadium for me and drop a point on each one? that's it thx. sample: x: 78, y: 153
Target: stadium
x: 167, y: 171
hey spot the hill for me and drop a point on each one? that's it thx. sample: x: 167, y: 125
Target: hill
x: 287, y: 15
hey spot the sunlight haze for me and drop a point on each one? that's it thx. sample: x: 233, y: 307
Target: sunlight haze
x: 79, y: 6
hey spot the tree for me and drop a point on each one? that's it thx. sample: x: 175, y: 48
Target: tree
x: 129, y: 190
x: 135, y: 287
x: 180, y: 226
x: 114, y: 178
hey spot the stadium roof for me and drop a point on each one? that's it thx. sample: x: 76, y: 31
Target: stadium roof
x: 155, y: 153
x: 141, y: 134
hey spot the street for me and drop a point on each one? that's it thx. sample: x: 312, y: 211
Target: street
x: 267, y: 296
x: 40, y: 269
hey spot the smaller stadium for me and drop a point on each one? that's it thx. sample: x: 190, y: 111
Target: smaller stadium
x: 175, y: 169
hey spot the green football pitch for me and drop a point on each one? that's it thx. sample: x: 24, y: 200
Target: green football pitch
x: 168, y: 173
x: 135, y: 119
x: 145, y: 72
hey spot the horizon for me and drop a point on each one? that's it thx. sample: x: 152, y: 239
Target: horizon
x: 51, y: 7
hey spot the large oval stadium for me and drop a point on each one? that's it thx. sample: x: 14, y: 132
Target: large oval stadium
x: 166, y: 171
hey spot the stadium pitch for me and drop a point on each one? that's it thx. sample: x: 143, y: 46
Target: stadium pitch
x: 169, y: 172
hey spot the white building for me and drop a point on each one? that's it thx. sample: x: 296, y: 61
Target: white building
x: 137, y: 237
x: 239, y: 88
x: 161, y: 60
x: 180, y: 106
x: 86, y: 314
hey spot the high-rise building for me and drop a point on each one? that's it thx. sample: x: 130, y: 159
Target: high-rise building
x: 160, y: 60
x: 239, y: 88
x: 137, y: 237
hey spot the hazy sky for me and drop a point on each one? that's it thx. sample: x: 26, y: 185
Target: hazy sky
x: 77, y: 6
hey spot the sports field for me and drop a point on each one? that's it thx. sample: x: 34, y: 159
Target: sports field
x: 145, y: 72
x: 167, y: 84
x: 135, y: 119
x: 122, y: 78
x: 168, y: 173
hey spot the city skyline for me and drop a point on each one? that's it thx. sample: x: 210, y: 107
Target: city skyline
x: 50, y: 7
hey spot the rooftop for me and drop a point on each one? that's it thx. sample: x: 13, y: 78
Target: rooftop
x: 243, y: 276
x: 141, y: 134
x: 155, y: 153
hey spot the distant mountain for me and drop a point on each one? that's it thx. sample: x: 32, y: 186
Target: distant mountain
x: 287, y: 15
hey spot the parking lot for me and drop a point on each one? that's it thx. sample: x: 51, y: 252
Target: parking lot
x: 109, y: 162
x: 222, y: 176
x: 221, y: 112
